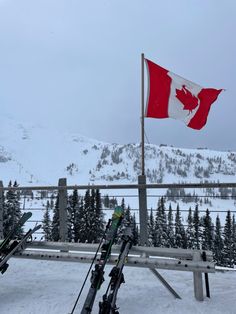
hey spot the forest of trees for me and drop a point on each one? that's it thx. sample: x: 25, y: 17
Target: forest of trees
x: 86, y: 223
x: 168, y: 230
x: 85, y: 217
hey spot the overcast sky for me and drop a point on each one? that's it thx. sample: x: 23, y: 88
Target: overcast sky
x: 75, y: 65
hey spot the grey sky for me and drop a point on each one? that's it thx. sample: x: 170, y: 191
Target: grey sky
x: 75, y: 65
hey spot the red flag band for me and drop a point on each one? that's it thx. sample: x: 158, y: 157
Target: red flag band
x: 171, y: 96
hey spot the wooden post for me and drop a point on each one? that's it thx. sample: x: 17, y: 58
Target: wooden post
x: 197, y: 278
x: 1, y: 210
x: 63, y: 232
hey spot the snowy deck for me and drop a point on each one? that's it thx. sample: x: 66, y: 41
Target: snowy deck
x: 47, y: 287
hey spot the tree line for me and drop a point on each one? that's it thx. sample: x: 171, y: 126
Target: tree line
x: 86, y: 223
x: 85, y: 218
x: 165, y: 230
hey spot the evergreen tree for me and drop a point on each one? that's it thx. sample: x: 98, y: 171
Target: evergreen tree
x: 69, y: 219
x: 180, y: 237
x: 106, y: 201
x: 123, y: 203
x: 55, y: 221
x: 218, y: 243
x: 152, y: 230
x: 164, y: 223
x: 72, y: 210
x: 135, y: 231
x: 76, y: 222
x: 234, y: 238
x: 190, y: 230
x: 82, y: 222
x: 196, y: 228
x: 12, y: 211
x: 99, y: 224
x: 127, y: 215
x: 93, y: 218
x: 170, y: 228
x: 184, y: 237
x: 207, y: 234
x: 160, y: 225
x: 228, y: 242
x: 87, y: 218
x: 46, y: 223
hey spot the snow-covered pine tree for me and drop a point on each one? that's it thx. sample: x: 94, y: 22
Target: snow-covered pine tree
x: 158, y: 228
x: 123, y: 204
x: 69, y: 219
x: 170, y: 228
x: 135, y: 231
x: 99, y: 224
x: 12, y: 210
x: 190, y: 230
x: 46, y: 223
x: 87, y: 218
x: 234, y: 238
x: 55, y: 221
x: 17, y: 207
x: 6, y: 220
x: 161, y: 224
x: 76, y: 222
x: 228, y: 259
x: 207, y: 233
x: 93, y: 218
x: 218, y: 243
x: 164, y: 223
x: 81, y: 219
x: 72, y: 211
x: 106, y: 201
x: 196, y: 228
x: 152, y: 230
x: 127, y: 215
x: 180, y: 237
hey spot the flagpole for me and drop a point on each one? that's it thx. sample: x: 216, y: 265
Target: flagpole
x: 142, y: 115
x: 143, y: 217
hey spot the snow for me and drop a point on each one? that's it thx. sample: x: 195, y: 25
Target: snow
x: 34, y: 155
x: 48, y: 287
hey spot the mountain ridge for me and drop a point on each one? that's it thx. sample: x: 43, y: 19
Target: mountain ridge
x: 35, y: 155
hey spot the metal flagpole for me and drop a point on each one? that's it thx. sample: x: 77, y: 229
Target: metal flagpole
x: 142, y: 114
x: 142, y: 178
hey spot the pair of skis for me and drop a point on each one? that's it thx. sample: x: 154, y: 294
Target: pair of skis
x: 97, y: 277
x: 9, y: 247
x: 108, y: 305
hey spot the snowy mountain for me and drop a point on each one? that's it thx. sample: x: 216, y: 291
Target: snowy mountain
x: 35, y: 155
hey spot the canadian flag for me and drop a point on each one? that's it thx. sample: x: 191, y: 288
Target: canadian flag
x: 171, y: 96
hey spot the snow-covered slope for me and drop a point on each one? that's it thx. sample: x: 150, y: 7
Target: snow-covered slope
x: 36, y: 155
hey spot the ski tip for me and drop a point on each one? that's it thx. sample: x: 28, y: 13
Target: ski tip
x: 118, y: 212
x: 27, y: 214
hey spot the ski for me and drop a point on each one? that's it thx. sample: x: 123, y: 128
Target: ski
x: 13, y: 247
x: 98, y: 272
x: 14, y: 231
x: 108, y: 304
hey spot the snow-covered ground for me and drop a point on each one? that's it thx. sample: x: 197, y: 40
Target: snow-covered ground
x: 47, y: 287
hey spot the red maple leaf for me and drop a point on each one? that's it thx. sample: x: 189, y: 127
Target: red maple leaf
x: 189, y: 101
